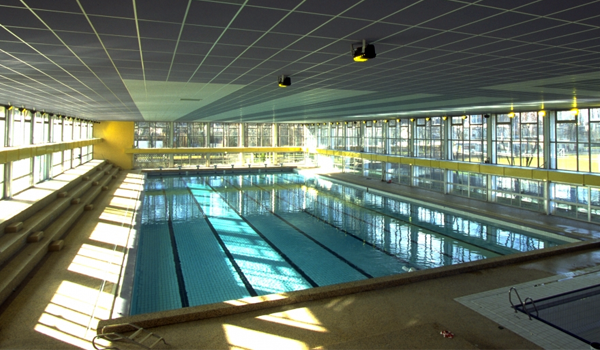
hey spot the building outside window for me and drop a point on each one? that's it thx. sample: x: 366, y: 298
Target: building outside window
x: 519, y: 139
x: 576, y: 144
x: 429, y: 137
x: 468, y: 138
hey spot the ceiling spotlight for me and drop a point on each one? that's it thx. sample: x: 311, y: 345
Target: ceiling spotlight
x: 486, y: 116
x: 363, y: 53
x: 511, y: 114
x: 464, y: 117
x: 284, y: 81
x: 542, y: 113
x: 445, y: 117
x: 575, y: 111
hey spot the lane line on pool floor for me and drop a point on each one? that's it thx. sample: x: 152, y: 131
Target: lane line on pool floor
x: 180, y: 281
x: 343, y: 230
x: 364, y: 273
x: 422, y: 227
x: 235, y: 265
x: 284, y: 256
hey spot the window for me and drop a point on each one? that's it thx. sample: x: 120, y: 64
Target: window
x: 323, y: 135
x: 577, y: 140
x: 21, y: 175
x: 519, y: 139
x: 57, y: 128
x: 429, y: 138
x: 468, y: 138
x: 338, y: 136
x: 374, y: 138
x: 152, y: 134
x: 291, y: 135
x: 259, y: 135
x: 353, y: 137
x: 399, y: 137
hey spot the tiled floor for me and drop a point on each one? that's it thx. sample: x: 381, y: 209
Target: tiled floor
x: 495, y: 305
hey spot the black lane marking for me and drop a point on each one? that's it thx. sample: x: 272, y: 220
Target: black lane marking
x: 285, y: 257
x: 366, y: 274
x: 398, y: 219
x: 341, y: 229
x: 475, y: 244
x: 180, y: 281
x: 237, y: 268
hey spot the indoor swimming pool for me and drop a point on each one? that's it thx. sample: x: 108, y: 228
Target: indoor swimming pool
x: 208, y: 239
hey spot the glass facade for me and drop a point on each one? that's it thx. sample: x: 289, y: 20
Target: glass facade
x: 549, y: 140
x: 20, y: 128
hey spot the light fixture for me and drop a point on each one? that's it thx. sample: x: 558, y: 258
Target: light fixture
x: 364, y: 121
x: 486, y: 116
x: 374, y: 121
x: 542, y: 113
x: 363, y: 53
x: 445, y: 117
x: 511, y: 114
x: 575, y: 111
x: 464, y: 117
x: 412, y: 119
x: 398, y: 120
x: 427, y: 119
x: 284, y: 81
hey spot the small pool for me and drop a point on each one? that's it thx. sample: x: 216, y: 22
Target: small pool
x: 207, y: 239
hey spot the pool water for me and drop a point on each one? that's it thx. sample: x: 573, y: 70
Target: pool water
x: 209, y: 239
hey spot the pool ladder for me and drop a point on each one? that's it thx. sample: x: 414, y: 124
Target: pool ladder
x: 523, y: 303
x: 140, y: 337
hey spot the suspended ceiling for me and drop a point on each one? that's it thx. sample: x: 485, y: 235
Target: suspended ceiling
x: 200, y: 60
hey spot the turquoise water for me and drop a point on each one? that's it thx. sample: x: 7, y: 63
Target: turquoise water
x: 209, y: 239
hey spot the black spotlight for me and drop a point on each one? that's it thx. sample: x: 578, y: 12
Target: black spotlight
x: 284, y: 81
x: 486, y: 116
x: 363, y: 53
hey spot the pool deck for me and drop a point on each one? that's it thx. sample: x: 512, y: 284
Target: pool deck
x: 64, y: 299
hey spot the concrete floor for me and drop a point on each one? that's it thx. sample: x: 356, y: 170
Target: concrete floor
x: 63, y: 300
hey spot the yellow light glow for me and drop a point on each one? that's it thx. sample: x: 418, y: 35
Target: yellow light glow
x: 444, y: 117
x: 575, y: 111
x: 360, y: 58
x: 244, y: 338
x: 412, y: 119
x: 427, y: 119
x: 464, y: 117
x: 542, y: 113
x: 511, y: 114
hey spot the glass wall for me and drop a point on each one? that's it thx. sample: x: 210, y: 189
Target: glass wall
x: 258, y: 135
x: 519, y: 139
x: 23, y: 128
x: 468, y: 138
x: 577, y: 140
x: 429, y: 138
x: 291, y: 135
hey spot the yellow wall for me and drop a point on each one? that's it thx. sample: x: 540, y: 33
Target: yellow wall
x: 117, y: 137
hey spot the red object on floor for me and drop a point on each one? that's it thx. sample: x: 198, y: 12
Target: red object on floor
x: 447, y: 334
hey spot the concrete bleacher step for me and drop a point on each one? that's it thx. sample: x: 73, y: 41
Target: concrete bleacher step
x: 12, y: 242
x: 11, y: 215
x: 16, y: 269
